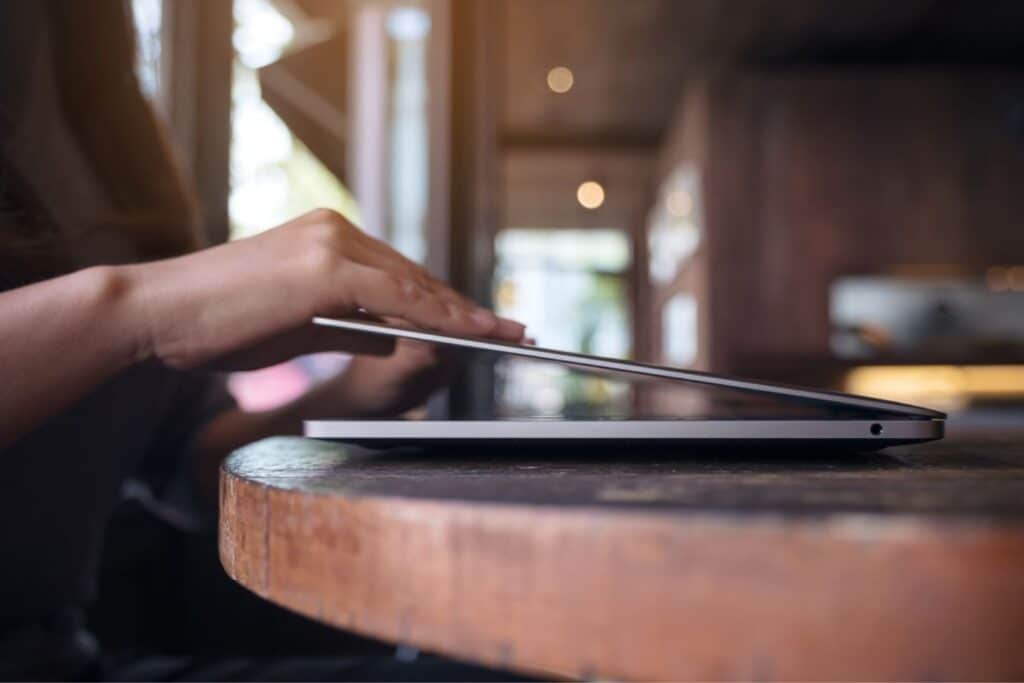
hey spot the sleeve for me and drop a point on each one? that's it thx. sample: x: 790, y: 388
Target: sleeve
x: 165, y: 483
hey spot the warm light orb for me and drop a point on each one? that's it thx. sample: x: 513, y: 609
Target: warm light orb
x: 590, y: 194
x: 560, y: 79
x: 679, y: 203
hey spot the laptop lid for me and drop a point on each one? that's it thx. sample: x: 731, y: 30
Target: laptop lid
x: 834, y: 398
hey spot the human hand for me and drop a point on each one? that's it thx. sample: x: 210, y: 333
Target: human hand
x: 372, y: 386
x: 249, y: 303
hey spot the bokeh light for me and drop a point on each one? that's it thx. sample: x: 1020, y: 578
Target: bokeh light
x: 590, y: 194
x: 560, y: 79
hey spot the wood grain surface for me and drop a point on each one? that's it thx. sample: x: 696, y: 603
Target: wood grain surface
x: 721, y: 565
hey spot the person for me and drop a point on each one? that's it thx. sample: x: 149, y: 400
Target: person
x: 114, y: 317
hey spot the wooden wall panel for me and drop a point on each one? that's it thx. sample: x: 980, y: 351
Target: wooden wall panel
x: 541, y: 184
x: 809, y: 175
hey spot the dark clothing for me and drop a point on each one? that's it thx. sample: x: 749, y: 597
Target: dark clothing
x: 131, y: 436
x: 98, y: 501
x: 60, y: 486
x: 398, y: 667
x: 61, y: 483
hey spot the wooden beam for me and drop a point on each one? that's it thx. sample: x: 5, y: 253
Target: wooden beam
x: 197, y: 99
x: 567, y: 140
x: 474, y: 176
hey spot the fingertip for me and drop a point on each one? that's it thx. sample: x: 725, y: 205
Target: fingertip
x: 422, y: 353
x: 484, y: 320
x: 509, y: 329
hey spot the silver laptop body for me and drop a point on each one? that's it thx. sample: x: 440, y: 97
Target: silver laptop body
x: 865, y: 422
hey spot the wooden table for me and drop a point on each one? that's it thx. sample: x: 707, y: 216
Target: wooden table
x: 907, y: 564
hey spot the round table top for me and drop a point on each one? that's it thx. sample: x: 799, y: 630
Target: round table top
x: 714, y: 565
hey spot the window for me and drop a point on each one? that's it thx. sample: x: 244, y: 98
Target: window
x: 274, y: 178
x: 679, y: 330
x: 569, y: 287
x: 147, y: 16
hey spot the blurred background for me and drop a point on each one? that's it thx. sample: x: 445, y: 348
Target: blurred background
x: 819, y: 192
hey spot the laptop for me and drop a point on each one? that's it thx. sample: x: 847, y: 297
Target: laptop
x: 798, y: 415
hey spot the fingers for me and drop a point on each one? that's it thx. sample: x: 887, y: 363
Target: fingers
x: 509, y: 329
x: 502, y: 328
x: 377, y: 254
x: 375, y: 277
x: 389, y: 294
x: 415, y: 356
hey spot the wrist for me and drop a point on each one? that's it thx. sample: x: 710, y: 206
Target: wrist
x: 114, y: 293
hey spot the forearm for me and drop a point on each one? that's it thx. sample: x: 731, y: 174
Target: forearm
x: 60, y: 339
x: 243, y: 304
